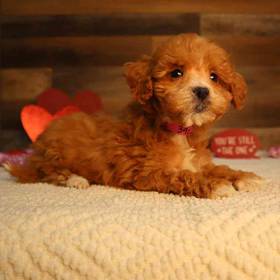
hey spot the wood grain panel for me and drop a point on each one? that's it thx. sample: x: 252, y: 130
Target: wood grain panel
x: 115, y: 50
x: 10, y: 113
x: 24, y: 83
x: 245, y: 50
x: 108, y: 82
x: 106, y: 24
x: 251, y: 50
x: 63, y: 51
x: 86, y: 42
x: 70, y: 7
x: 240, y: 24
x: 253, y: 115
x: 263, y: 102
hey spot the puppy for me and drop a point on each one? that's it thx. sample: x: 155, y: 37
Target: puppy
x: 160, y: 144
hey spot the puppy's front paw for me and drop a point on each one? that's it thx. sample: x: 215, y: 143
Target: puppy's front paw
x: 78, y: 182
x: 248, y: 182
x: 223, y: 188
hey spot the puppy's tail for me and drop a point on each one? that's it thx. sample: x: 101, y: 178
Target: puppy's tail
x: 24, y: 173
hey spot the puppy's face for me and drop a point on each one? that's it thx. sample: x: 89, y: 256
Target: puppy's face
x: 189, y: 79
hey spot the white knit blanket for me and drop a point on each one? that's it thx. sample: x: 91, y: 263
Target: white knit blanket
x: 48, y: 232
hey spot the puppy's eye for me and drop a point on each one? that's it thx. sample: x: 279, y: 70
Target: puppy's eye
x: 177, y: 73
x: 214, y: 77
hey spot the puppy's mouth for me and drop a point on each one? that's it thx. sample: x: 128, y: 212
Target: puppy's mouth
x: 201, y: 107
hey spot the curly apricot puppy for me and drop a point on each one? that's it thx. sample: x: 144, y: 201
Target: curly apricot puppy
x: 161, y: 142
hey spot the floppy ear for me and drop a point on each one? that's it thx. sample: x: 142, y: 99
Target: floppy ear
x: 138, y: 77
x: 238, y: 89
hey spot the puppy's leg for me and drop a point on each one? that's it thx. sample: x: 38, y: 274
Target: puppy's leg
x: 65, y: 178
x: 241, y: 180
x: 48, y: 173
x: 78, y: 182
x: 185, y: 183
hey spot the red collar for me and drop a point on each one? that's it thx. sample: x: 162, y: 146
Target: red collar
x: 179, y: 129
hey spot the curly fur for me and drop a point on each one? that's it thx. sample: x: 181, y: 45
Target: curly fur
x: 136, y: 151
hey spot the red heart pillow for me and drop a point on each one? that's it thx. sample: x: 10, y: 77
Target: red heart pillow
x: 54, y: 103
x: 54, y: 100
x: 35, y: 119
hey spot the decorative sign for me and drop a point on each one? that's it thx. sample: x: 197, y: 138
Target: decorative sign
x: 235, y: 143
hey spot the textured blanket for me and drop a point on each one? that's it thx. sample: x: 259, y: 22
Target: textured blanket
x: 47, y: 232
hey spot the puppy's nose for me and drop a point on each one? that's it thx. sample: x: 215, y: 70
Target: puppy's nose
x: 201, y: 92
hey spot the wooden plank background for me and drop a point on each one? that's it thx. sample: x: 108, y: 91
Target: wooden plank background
x: 83, y: 44
x: 70, y: 7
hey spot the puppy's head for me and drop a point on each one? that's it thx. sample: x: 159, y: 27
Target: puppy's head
x: 189, y: 78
